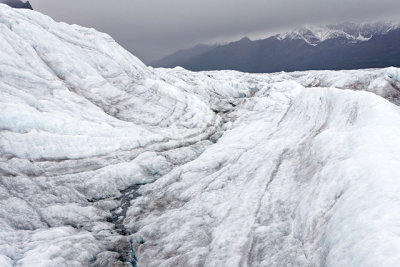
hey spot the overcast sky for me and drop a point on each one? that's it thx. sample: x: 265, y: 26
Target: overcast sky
x: 153, y: 28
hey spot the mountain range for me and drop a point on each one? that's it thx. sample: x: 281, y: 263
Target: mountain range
x: 335, y: 47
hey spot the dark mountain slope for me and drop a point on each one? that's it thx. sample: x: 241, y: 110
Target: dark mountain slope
x: 17, y: 4
x: 293, y: 53
x: 183, y: 55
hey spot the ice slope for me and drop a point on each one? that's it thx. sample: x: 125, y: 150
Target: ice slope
x: 106, y: 162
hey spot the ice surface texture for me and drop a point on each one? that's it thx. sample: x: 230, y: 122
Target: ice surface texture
x: 284, y: 169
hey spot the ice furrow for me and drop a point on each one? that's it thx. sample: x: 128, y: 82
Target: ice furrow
x: 106, y: 162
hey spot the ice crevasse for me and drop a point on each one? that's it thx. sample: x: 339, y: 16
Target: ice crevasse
x: 107, y: 162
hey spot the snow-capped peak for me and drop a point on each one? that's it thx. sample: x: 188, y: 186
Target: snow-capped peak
x: 351, y: 32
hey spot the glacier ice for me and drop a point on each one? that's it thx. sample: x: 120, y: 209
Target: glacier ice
x: 107, y: 162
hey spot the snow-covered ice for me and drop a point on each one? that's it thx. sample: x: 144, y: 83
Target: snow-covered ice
x: 107, y: 162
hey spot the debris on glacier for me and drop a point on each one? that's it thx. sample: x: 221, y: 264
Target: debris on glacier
x: 107, y: 162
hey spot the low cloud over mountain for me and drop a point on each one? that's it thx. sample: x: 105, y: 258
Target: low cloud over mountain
x: 343, y: 46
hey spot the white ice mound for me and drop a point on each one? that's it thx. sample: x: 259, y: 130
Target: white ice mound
x: 105, y: 162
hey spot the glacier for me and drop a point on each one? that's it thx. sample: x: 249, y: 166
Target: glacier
x: 107, y: 162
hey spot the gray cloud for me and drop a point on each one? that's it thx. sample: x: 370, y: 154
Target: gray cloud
x: 153, y: 28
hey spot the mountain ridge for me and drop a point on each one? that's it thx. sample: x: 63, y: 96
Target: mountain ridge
x: 306, y: 48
